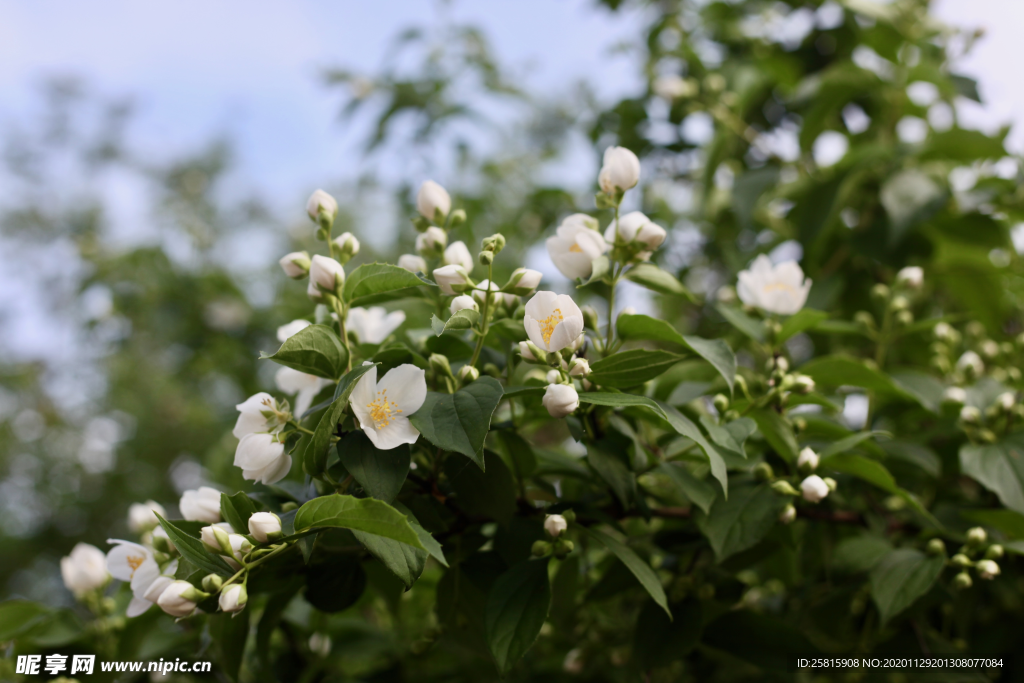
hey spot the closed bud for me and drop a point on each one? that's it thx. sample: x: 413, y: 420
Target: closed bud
x: 944, y: 332
x: 620, y: 171
x: 212, y: 583
x: 814, y: 489
x: 880, y: 292
x: 962, y: 581
x: 433, y: 201
x: 721, y: 403
x: 431, y: 242
x: 987, y: 569
x: 562, y: 548
x: 808, y: 460
x: 553, y: 377
x: 321, y: 208
x: 799, y: 425
x: 802, y: 384
x: 864, y: 319
x: 295, y: 265
x: 452, y: 279
x: 936, y: 548
x: 532, y: 352
x: 976, y: 535
x: 458, y: 218
x: 555, y: 525
x: 463, y: 302
x: 904, y: 318
x: 954, y: 395
x: 233, y: 598
x: 326, y: 274
x: 1005, y: 401
x: 209, y: 539
x: 486, y: 258
x: 579, y: 367
x: 440, y: 365
x: 540, y: 548
x: 179, y: 599
x: 467, y: 373
x: 346, y: 245
x: 492, y: 370
x: 223, y: 539
x: 788, y: 514
x: 960, y: 560
x: 524, y: 281
x: 265, y: 526
x: 560, y: 400
x: 830, y: 483
x: 783, y: 487
x: 764, y: 472
x: 288, y: 506
x: 970, y: 415
x: 569, y: 516
x: 495, y: 243
x: 590, y: 319
x: 911, y: 277
x: 899, y: 303
x: 994, y: 552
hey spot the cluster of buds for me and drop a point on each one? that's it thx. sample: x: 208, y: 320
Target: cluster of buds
x: 977, y: 554
x: 812, y: 488
x: 894, y: 303
x: 555, y: 527
x: 969, y: 356
x: 782, y: 382
x: 982, y: 426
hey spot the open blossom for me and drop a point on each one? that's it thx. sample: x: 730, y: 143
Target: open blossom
x: 814, y: 489
x: 575, y: 246
x: 321, y: 201
x: 774, y: 288
x: 85, y: 569
x: 373, y: 325
x: 560, y: 400
x: 295, y: 265
x: 134, y: 564
x: 458, y: 254
x: 302, y: 385
x: 620, y: 170
x: 552, y: 321
x: 433, y: 201
x: 262, y: 458
x: 431, y: 241
x: 448, y: 277
x: 461, y: 303
x: 141, y: 517
x: 383, y: 408
x: 327, y: 274
x: 412, y: 263
x: 636, y: 226
x: 200, y: 505
x: 290, y: 329
x: 258, y: 413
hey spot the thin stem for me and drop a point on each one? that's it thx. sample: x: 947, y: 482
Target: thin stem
x: 484, y: 317
x: 339, y: 310
x: 299, y: 427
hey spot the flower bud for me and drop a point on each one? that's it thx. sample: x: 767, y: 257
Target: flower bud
x: 864, y: 319
x: 203, y: 504
x: 532, y: 352
x: 764, y: 472
x: 960, y: 560
x: 954, y: 395
x: 458, y: 218
x: 492, y: 370
x: 433, y: 202
x: 788, y: 514
x: 212, y: 583
x: 179, y: 599
x: 970, y: 364
x: 783, y: 487
x: 222, y: 537
x: 553, y: 377
x: 313, y: 292
x: 295, y: 265
x: 524, y: 281
x: 540, y: 548
x: 943, y: 332
x: 970, y: 415
x: 832, y: 484
x: 321, y: 207
x: 936, y: 548
x: 620, y: 170
x: 440, y: 365
x: 899, y: 303
x: 814, y: 489
x: 347, y: 246
x: 452, y: 279
x: 904, y: 318
x: 880, y: 292
x: 209, y: 537
x: 987, y: 569
x: 467, y: 374
x: 590, y: 319
x: 962, y: 581
x: 562, y: 548
x: 265, y: 526
x: 560, y: 400
x: 233, y: 598
x: 579, y: 367
x: 141, y: 516
x: 911, y: 277
x: 327, y: 274
x: 412, y: 263
x: 431, y: 242
x: 1005, y: 401
x: 555, y: 525
x: 802, y: 384
x: 495, y: 243
x: 461, y: 303
x: 976, y: 536
x: 808, y: 460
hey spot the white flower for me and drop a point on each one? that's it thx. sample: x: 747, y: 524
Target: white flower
x: 954, y: 395
x: 201, y: 505
x: 575, y: 246
x: 525, y: 352
x: 636, y: 226
x: 347, y: 244
x: 85, y: 569
x: 141, y: 517
x: 291, y: 329
x: 911, y: 276
x: 461, y: 303
x: 373, y: 325
x: 457, y: 254
x: 525, y: 280
x: 431, y: 241
x: 560, y: 400
x: 555, y: 525
x: 673, y: 86
x: 302, y: 385
x: 134, y: 564
x: 295, y: 265
x: 482, y: 288
x: 313, y: 292
x: 412, y: 263
x: 258, y: 413
x: 383, y: 408
x: 175, y: 599
x: 620, y: 170
x: 970, y: 362
x: 552, y: 321
x: 944, y: 331
x: 209, y: 537
x: 158, y: 586
x: 814, y: 489
x: 775, y: 289
x: 327, y: 274
x: 264, y: 525
x: 233, y: 598
x: 808, y: 459
x: 1006, y: 400
x: 433, y: 202
x: 448, y: 276
x: 321, y: 201
x: 262, y: 458
x: 988, y: 569
x: 579, y: 367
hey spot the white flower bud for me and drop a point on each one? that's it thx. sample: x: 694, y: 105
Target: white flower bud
x: 208, y: 535
x: 970, y: 415
x: 449, y: 277
x: 327, y: 274
x: 579, y: 367
x: 911, y: 277
x: 467, y: 373
x: 457, y: 254
x: 313, y: 292
x: 787, y: 515
x: 431, y: 242
x: 262, y: 458
x: 347, y: 244
x: 319, y: 202
x: 412, y: 263
x: 578, y: 342
x: 141, y: 517
x: 673, y: 86
x: 295, y: 265
x: 202, y: 505
x: 971, y: 362
x: 433, y: 202
x: 954, y: 395
x: 555, y: 525
x: 463, y: 302
x: 525, y: 352
x: 635, y: 226
x: 233, y: 598
x: 85, y: 569
x: 175, y: 599
x: 560, y: 400
x: 159, y: 585
x: 620, y: 170
x: 943, y: 331
x: 525, y: 280
x: 814, y: 489
x: 808, y: 460
x: 1006, y: 400
x: 553, y: 377
x: 987, y: 569
x: 264, y: 526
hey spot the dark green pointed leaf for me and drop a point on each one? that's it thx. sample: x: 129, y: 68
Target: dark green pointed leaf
x: 900, y: 578
x: 777, y: 432
x: 630, y: 368
x: 359, y: 514
x: 17, y: 616
x: 459, y: 422
x: 372, y: 279
x: 460, y: 320
x: 520, y: 453
x: 236, y: 511
x: 613, y: 470
x: 517, y: 606
x: 401, y: 559
x: 316, y: 350
x: 999, y: 467
x: 741, y: 522
x: 192, y: 549
x: 638, y: 567
x: 741, y: 321
x: 848, y: 443
x: 716, y: 352
x: 229, y: 633
x: 380, y: 473
x: 806, y: 319
x: 488, y: 492
x: 697, y: 491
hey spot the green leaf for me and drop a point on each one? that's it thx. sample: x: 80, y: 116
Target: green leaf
x: 236, y: 510
x: 520, y: 453
x: 380, y: 473
x: 741, y: 522
x: 314, y: 459
x: 334, y: 586
x: 1007, y: 521
x: 372, y: 279
x: 517, y: 606
x: 925, y: 389
x: 640, y: 569
x: 630, y: 368
x: 17, y: 616
x: 759, y: 639
x: 460, y: 320
x: 359, y: 514
x: 401, y: 559
x: 999, y: 467
x: 654, y: 278
x: 777, y: 432
x: 601, y: 268
x: 316, y: 350
x: 486, y: 492
x: 805, y: 319
x: 848, y: 443
x: 697, y: 491
x: 900, y: 578
x: 193, y: 550
x: 860, y: 553
x: 459, y: 422
x: 615, y: 473
x: 659, y: 641
x: 741, y: 321
x: 271, y: 617
x: 716, y: 352
x: 229, y: 633
x: 834, y: 371
x: 347, y: 383
x: 616, y: 400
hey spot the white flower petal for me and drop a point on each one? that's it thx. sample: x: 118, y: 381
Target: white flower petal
x: 399, y: 431
x: 406, y: 386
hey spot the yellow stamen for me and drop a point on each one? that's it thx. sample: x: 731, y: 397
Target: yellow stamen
x: 776, y: 286
x: 381, y: 410
x: 548, y: 325
x: 575, y: 248
x: 134, y: 561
